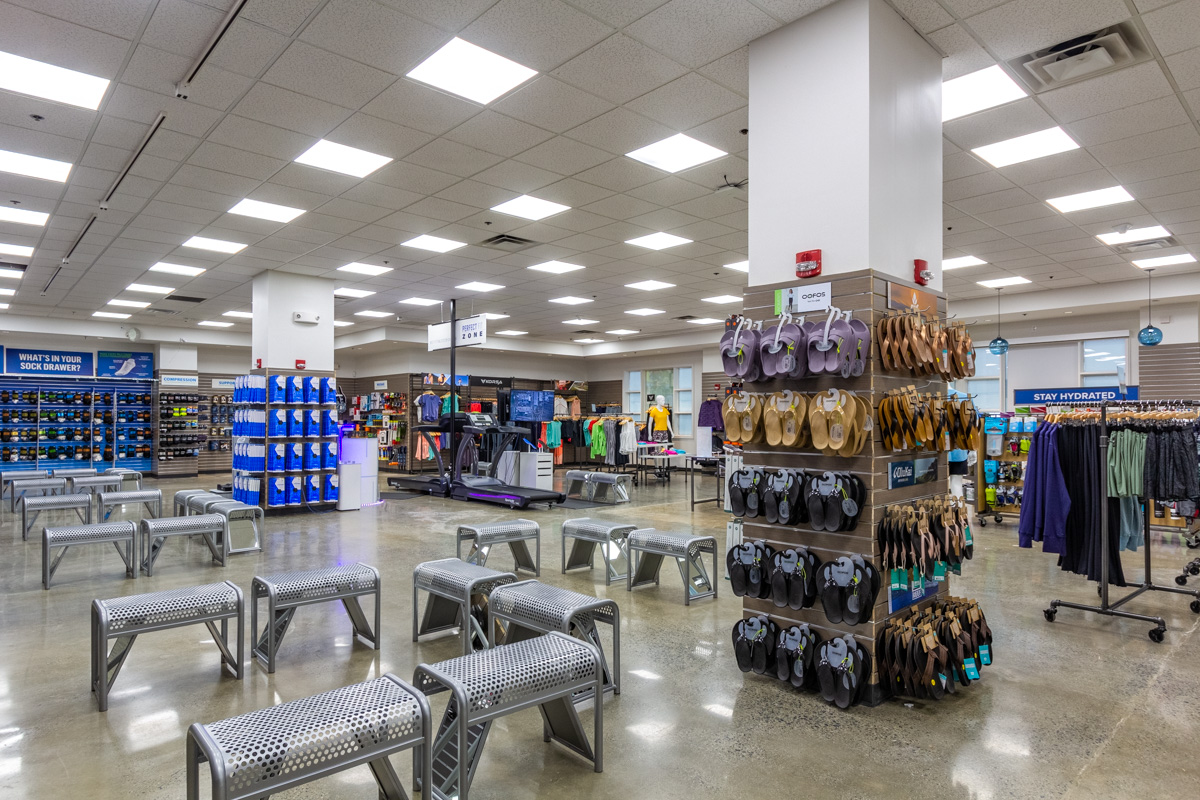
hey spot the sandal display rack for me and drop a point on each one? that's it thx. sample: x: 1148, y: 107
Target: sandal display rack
x: 865, y: 293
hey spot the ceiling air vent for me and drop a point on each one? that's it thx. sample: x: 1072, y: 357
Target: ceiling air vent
x: 687, y: 317
x: 1083, y: 57
x: 183, y: 298
x: 508, y: 243
x: 160, y: 311
x: 586, y: 333
x: 1149, y: 244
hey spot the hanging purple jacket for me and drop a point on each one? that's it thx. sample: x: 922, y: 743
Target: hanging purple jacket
x: 1045, y: 518
x: 710, y: 416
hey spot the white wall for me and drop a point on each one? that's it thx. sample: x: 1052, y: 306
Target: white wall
x: 229, y: 360
x: 176, y: 357
x: 469, y: 361
x: 279, y: 341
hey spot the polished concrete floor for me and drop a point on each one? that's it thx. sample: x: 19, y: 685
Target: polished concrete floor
x: 1081, y: 708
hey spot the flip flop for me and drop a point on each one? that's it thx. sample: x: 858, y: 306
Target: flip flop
x: 837, y: 360
x: 816, y: 356
x: 749, y: 368
x: 729, y: 353
x: 731, y: 418
x: 741, y: 645
x: 773, y: 419
x: 791, y: 418
x: 831, y: 593
x: 778, y: 351
x: 798, y: 581
x: 816, y: 507
x: 737, y: 493
x: 861, y: 348
x: 818, y: 423
x: 845, y: 674
x: 753, y: 504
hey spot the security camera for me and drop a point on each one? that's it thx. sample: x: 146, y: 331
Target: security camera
x: 181, y: 90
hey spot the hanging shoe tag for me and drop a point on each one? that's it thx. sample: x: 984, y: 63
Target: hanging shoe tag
x: 896, y: 585
x: 939, y: 571
x: 971, y: 669
x: 985, y: 654
x: 970, y: 539
x: 849, y: 507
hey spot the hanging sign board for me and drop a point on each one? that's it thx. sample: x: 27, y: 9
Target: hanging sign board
x: 171, y: 381
x: 1069, y: 397
x: 381, y: 386
x: 799, y: 299
x: 494, y: 383
x: 224, y: 383
x: 471, y: 331
x: 124, y: 365
x: 904, y: 298
x: 442, y: 379
x: 19, y: 361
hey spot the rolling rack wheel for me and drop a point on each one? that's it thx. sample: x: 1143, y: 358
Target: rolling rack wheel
x: 1181, y: 579
x: 1195, y: 606
x: 998, y: 519
x: 1050, y: 614
x: 982, y: 521
x: 1156, y: 635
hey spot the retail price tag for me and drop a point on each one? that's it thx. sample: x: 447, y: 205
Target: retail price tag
x: 894, y: 580
x: 970, y: 539
x: 836, y: 432
x: 985, y: 654
x: 972, y: 669
x: 939, y: 571
x: 918, y: 591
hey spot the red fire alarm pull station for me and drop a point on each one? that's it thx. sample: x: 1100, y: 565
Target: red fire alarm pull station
x: 808, y: 264
x: 258, y: 363
x: 300, y: 362
x: 921, y: 272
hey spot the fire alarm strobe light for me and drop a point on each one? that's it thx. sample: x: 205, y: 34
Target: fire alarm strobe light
x: 921, y: 272
x: 808, y: 264
x: 300, y: 363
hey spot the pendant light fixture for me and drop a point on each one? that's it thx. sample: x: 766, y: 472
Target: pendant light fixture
x: 1150, y: 335
x: 999, y: 345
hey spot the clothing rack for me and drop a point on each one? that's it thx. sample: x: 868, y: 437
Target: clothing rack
x: 1112, y: 609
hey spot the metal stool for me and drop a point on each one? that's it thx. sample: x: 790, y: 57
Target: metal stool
x: 181, y: 498
x: 648, y: 547
x: 9, y: 475
x: 200, y: 503
x: 73, y: 472
x: 31, y: 507
x: 43, y: 486
x: 236, y: 511
x: 210, y: 527
x: 93, y: 484
x: 610, y: 487
x: 151, y: 499
x: 575, y: 484
x: 123, y: 618
x: 126, y: 475
x: 451, y: 583
x: 515, y: 532
x: 287, y: 591
x: 290, y: 744
x: 532, y: 608
x: 117, y: 533
x: 587, y: 533
x: 545, y: 672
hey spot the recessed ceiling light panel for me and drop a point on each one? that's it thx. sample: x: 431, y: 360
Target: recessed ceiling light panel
x: 216, y: 245
x: 491, y: 317
x: 649, y: 286
x: 1027, y: 147
x: 658, y: 241
x: 675, y: 153
x: 176, y: 269
x: 341, y: 323
x: 46, y: 169
x: 986, y: 88
x: 723, y: 299
x: 570, y: 300
x: 588, y: 341
x: 644, y: 312
x: 129, y: 303
x: 704, y: 321
x: 997, y: 283
x: 379, y: 314
x: 340, y: 158
x: 1165, y: 261
x: 479, y: 286
x: 6, y: 272
x: 148, y: 288
x: 22, y: 217
x: 530, y: 208
x: 580, y: 321
x: 212, y: 323
x: 961, y: 261
x: 343, y: 291
x: 420, y: 301
x: 239, y: 314
x: 15, y: 250
x: 364, y: 269
x: 109, y: 315
x: 740, y: 266
x: 556, y: 267
x: 622, y: 332
x: 1084, y: 200
x: 470, y: 71
x: 434, y: 243
x: 511, y: 333
x: 8, y: 292
x: 267, y: 211
x: 1134, y: 235
x: 61, y: 85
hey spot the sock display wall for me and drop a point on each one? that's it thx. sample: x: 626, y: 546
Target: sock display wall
x: 216, y: 422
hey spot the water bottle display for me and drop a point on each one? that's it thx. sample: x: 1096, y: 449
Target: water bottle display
x: 330, y: 490
x: 312, y: 456
x: 312, y: 390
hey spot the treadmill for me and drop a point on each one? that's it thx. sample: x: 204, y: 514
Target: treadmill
x: 488, y: 488
x: 435, y: 485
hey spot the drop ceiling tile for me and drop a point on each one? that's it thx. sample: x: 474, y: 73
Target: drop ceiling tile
x: 731, y: 71
x: 993, y: 202
x: 1174, y: 27
x: 1071, y: 184
x: 326, y: 223
x: 46, y: 145
x: 373, y: 34
x: 713, y: 205
x: 377, y: 135
x: 73, y: 123
x: 498, y: 134
x: 620, y: 131
x: 326, y: 76
x: 452, y: 157
x: 240, y: 162
x: 620, y: 174
x: 584, y: 243
x: 1019, y: 213
x: 358, y: 212
x: 439, y: 209
x: 621, y: 206
x: 258, y: 137
x: 212, y: 180
x: 975, y: 185
x: 286, y: 109
x: 1022, y: 26
x: 1023, y: 229
x: 541, y: 34
x: 1165, y: 112
x: 574, y: 193
x: 172, y: 211
x: 552, y: 104
x: 924, y: 15
x: 412, y: 223
x: 619, y: 69
x: 1192, y: 98
x: 416, y: 105
x: 1178, y: 215
x: 165, y: 143
x: 725, y: 132
x: 997, y: 124
x: 1110, y: 92
x: 517, y: 177
x: 687, y: 102
x: 413, y: 178
x: 564, y: 156
x: 963, y: 54
x: 450, y: 17
x: 1170, y: 184
x: 311, y: 179
x: 1147, y: 145
x: 962, y: 165
x: 669, y: 191
x: 1110, y: 215
x: 579, y: 221
x: 246, y: 48
x: 697, y: 32
x: 1172, y: 201
x: 173, y: 193
x: 967, y: 240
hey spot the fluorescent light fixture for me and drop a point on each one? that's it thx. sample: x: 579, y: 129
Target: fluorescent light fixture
x: 268, y: 211
x: 434, y: 243
x: 650, y: 286
x: 109, y: 315
x: 1027, y: 147
x: 479, y: 286
x: 470, y: 71
x: 556, y: 267
x: 216, y: 245
x: 3, y: 306
x: 658, y: 241
x: 176, y: 269
x: 489, y: 316
x: 644, y: 312
x: 986, y: 88
x: 239, y: 314
x: 588, y: 341
x: 8, y: 292
x: 6, y: 272
x: 1083, y: 200
x: 342, y: 291
x: 705, y: 321
x: 46, y: 169
x: 129, y: 303
x: 20, y: 215
x: 1134, y: 235
x: 530, y: 208
x: 740, y: 266
x: 622, y: 332
x: 511, y: 333
x: 148, y: 288
x: 723, y: 299
x: 580, y: 321
x: 420, y: 301
x: 341, y: 323
x: 997, y: 283
x: 15, y: 250
x: 340, y: 158
x: 961, y: 261
x: 1165, y: 261
x: 38, y: 79
x: 570, y: 300
x: 210, y: 323
x: 379, y: 314
x: 364, y: 269
x: 676, y: 153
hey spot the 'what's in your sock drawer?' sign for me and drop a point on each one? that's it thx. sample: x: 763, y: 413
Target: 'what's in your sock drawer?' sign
x: 21, y: 361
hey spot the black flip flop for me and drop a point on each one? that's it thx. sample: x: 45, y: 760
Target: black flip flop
x: 737, y: 494
x: 831, y: 594
x: 825, y: 674
x: 741, y: 645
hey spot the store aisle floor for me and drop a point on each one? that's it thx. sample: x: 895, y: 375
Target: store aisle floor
x: 1081, y: 708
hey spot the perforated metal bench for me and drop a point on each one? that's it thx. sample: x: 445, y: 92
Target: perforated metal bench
x: 451, y: 584
x: 35, y: 487
x: 609, y: 487
x: 201, y: 503
x: 93, y: 484
x: 648, y: 547
x: 31, y: 507
x: 117, y: 533
x: 287, y: 591
x: 150, y: 499
x: 546, y: 672
x: 126, y: 475
x: 236, y: 511
x: 124, y: 618
x: 9, y: 475
x: 575, y: 485
x: 589, y: 532
x: 210, y: 527
x: 73, y: 472
x: 516, y: 532
x: 531, y: 608
x: 181, y: 498
x: 290, y: 744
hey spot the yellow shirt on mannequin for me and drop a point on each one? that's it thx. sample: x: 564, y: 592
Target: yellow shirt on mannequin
x: 659, y: 416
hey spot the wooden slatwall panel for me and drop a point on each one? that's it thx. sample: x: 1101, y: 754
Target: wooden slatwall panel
x: 1169, y: 372
x: 604, y: 393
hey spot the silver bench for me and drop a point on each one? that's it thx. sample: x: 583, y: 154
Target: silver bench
x: 40, y: 486
x: 201, y: 503
x: 117, y: 533
x: 210, y: 527
x: 123, y: 618
x: 610, y: 487
x: 287, y: 591
x: 575, y: 485
x: 451, y: 584
x: 126, y: 475
x: 73, y: 472
x: 290, y: 744
x: 589, y: 532
x: 236, y: 511
x: 546, y: 672
x: 531, y: 608
x: 516, y: 533
x: 9, y: 475
x: 31, y: 507
x: 151, y: 499
x: 181, y: 498
x: 93, y: 484
x: 648, y: 547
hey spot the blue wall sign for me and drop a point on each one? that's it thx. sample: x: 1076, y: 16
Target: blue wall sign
x: 910, y: 472
x: 1069, y: 397
x: 124, y: 365
x: 19, y: 361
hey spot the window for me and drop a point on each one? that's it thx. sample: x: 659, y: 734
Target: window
x: 633, y: 392
x: 1102, y: 362
x: 683, y: 402
x: 660, y: 381
x: 676, y: 387
x: 986, y: 393
x: 986, y: 387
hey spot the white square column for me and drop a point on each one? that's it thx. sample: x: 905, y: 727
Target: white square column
x: 279, y: 340
x: 845, y: 145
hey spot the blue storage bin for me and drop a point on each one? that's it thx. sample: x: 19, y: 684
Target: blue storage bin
x: 276, y: 457
x: 328, y: 390
x: 329, y: 422
x: 293, y: 490
x: 276, y: 491
x: 312, y: 389
x: 329, y: 454
x: 312, y: 456
x: 277, y: 389
x: 312, y: 423
x: 330, y: 488
x: 312, y: 488
x: 294, y: 456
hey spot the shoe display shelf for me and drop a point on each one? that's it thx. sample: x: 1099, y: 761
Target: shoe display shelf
x: 177, y: 434
x: 216, y: 422
x: 49, y: 423
x: 866, y: 293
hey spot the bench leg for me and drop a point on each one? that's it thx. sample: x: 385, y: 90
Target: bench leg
x: 128, y: 556
x: 27, y: 522
x: 522, y: 560
x: 195, y: 757
x: 215, y: 547
x: 221, y: 638
x: 582, y: 554
x: 390, y: 787
x: 267, y: 644
x: 107, y: 664
x: 152, y: 546
x: 50, y: 566
x: 362, y: 628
